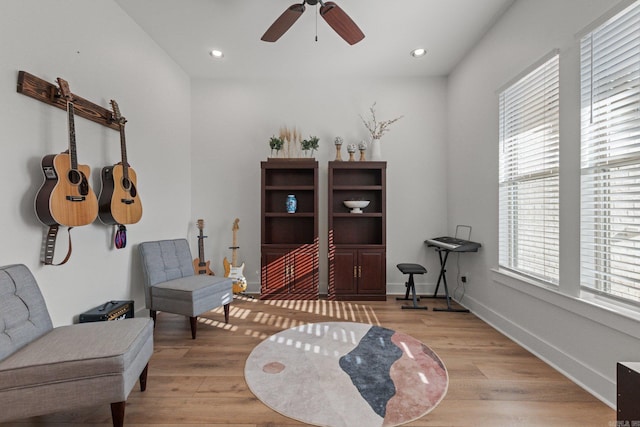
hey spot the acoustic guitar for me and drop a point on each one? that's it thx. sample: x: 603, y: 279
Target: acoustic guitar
x: 200, y: 266
x: 232, y: 269
x: 66, y: 198
x: 119, y: 201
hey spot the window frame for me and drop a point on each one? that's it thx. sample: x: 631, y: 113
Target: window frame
x: 607, y: 233
x: 540, y: 82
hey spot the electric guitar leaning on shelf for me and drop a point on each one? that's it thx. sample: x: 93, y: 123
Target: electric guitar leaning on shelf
x: 119, y: 200
x: 200, y: 266
x: 66, y: 198
x: 231, y: 269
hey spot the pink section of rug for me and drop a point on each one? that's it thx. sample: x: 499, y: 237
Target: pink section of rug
x: 419, y: 390
x: 296, y: 372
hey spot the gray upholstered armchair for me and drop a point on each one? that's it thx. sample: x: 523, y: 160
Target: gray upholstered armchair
x: 45, y: 369
x: 171, y: 284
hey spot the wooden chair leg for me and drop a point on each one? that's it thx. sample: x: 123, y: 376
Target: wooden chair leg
x: 226, y: 313
x: 194, y: 326
x: 117, y: 413
x: 143, y: 378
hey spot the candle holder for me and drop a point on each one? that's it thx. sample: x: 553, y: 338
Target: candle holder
x: 351, y: 149
x: 338, y: 142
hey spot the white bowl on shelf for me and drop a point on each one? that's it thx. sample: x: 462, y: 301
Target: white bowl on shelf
x: 356, y: 205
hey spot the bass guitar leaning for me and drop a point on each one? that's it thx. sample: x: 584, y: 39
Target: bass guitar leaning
x: 119, y: 200
x: 200, y: 266
x: 66, y: 198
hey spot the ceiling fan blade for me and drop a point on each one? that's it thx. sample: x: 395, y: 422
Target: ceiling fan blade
x: 341, y: 23
x: 283, y: 23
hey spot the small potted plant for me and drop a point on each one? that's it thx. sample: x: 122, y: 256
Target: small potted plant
x: 276, y: 144
x: 309, y: 144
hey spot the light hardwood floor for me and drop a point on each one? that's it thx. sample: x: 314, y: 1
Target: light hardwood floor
x: 493, y: 381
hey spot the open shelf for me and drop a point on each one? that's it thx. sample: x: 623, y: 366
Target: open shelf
x: 294, y: 230
x: 357, y: 230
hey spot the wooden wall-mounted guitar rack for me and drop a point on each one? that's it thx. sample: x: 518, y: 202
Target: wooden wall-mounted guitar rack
x: 49, y: 93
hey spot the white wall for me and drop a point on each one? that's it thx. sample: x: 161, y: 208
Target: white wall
x: 578, y: 338
x: 103, y: 55
x: 233, y: 120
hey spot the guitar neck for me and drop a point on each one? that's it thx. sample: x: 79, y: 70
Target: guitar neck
x: 123, y: 151
x: 201, y: 247
x: 234, y: 249
x: 72, y: 136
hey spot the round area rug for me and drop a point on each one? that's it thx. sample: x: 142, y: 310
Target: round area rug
x: 336, y: 374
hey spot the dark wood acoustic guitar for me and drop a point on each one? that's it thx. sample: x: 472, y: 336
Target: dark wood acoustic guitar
x: 119, y: 201
x: 200, y: 266
x: 66, y: 198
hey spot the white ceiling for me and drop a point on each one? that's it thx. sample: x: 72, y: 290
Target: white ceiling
x: 188, y: 29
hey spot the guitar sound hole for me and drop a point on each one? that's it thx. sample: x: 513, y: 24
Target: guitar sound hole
x: 75, y: 177
x: 128, y: 186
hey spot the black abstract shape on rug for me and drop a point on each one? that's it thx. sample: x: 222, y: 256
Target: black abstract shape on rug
x: 369, y: 366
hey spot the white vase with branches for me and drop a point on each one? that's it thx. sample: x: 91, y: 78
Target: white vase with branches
x: 376, y: 130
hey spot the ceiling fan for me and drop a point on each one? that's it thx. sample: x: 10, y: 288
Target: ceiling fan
x: 331, y: 12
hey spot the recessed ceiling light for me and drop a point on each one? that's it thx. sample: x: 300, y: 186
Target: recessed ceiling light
x: 216, y: 54
x: 417, y: 53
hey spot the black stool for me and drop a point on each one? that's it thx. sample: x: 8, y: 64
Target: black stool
x: 411, y: 269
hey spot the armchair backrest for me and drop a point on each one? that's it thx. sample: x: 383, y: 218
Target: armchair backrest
x: 23, y: 313
x: 164, y: 260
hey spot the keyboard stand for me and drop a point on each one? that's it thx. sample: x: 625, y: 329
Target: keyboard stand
x: 442, y: 277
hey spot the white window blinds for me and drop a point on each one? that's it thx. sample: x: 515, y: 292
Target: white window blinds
x: 529, y: 174
x: 610, y: 160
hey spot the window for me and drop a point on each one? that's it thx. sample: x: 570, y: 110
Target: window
x: 529, y: 173
x: 610, y: 157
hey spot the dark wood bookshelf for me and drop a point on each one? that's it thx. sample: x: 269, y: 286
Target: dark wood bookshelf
x: 289, y: 241
x: 357, y: 241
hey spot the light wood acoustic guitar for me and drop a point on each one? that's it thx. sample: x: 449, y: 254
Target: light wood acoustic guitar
x: 119, y: 201
x: 66, y: 197
x: 232, y: 269
x: 200, y: 266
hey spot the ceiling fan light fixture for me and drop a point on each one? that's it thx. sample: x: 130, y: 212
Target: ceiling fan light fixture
x: 417, y: 53
x: 217, y: 54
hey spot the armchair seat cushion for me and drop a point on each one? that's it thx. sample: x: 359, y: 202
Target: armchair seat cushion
x: 192, y: 295
x: 79, y: 351
x: 45, y: 369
